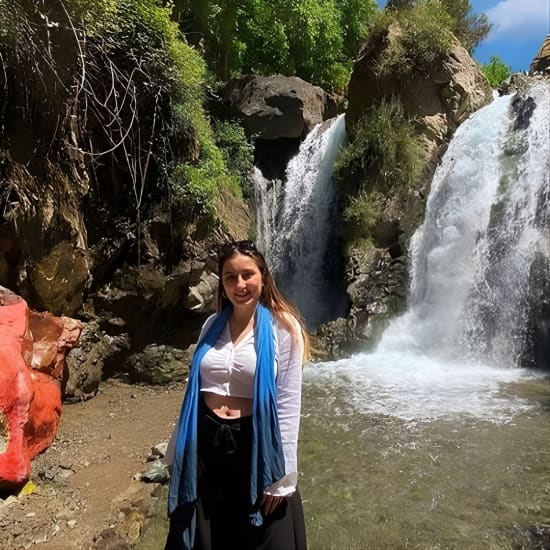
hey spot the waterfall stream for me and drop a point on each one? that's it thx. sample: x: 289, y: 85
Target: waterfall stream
x: 295, y: 225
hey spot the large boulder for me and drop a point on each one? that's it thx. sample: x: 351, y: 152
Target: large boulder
x: 32, y: 360
x: 541, y: 61
x: 273, y: 107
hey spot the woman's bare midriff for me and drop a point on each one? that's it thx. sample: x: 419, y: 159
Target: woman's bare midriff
x: 226, y: 406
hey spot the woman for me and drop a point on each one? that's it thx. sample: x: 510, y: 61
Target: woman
x: 234, y: 471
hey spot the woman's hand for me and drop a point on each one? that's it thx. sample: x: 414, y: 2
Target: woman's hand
x: 269, y: 503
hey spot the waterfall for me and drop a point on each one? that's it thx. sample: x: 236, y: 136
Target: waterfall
x: 295, y: 225
x: 480, y: 271
x: 483, y: 228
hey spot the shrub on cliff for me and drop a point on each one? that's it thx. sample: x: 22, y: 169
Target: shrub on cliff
x: 383, y: 157
x: 423, y: 36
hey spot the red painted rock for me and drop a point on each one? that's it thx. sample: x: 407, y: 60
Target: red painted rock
x: 32, y: 352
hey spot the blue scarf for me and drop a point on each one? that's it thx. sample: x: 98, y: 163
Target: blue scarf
x: 267, y: 465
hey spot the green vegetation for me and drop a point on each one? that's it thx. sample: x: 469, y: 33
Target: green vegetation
x: 423, y: 37
x: 383, y: 143
x: 135, y: 85
x: 496, y: 71
x: 314, y: 39
x: 238, y: 153
x: 120, y: 71
x: 361, y: 215
x: 383, y: 157
x: 470, y: 29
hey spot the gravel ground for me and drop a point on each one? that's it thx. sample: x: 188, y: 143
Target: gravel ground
x: 86, y: 496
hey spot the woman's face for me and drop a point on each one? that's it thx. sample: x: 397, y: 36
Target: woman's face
x: 242, y: 281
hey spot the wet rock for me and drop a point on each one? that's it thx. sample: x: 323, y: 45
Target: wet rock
x: 157, y: 472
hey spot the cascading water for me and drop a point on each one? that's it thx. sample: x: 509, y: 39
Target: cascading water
x: 470, y: 261
x: 296, y: 226
x: 483, y: 229
x: 438, y: 439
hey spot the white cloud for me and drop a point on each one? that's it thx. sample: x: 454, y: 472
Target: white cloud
x: 519, y: 20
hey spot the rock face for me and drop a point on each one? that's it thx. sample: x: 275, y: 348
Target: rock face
x: 439, y: 98
x: 43, y: 235
x: 32, y: 353
x: 541, y: 62
x: 277, y: 106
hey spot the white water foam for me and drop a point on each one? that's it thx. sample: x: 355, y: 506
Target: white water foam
x: 415, y: 387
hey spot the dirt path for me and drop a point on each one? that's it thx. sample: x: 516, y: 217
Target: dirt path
x: 85, y: 479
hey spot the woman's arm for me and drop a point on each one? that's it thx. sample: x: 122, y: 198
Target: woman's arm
x: 289, y: 397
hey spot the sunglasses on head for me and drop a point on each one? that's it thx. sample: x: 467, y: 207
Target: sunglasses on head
x: 237, y: 245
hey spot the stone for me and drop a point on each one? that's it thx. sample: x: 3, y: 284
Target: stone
x: 85, y: 363
x: 277, y: 106
x: 157, y: 472
x: 157, y: 365
x: 30, y: 383
x: 541, y: 61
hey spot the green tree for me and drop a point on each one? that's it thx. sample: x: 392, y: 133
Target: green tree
x: 313, y: 39
x: 496, y: 71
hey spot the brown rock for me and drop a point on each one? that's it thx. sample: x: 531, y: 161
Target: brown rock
x: 277, y: 106
x: 541, y: 62
x: 439, y: 98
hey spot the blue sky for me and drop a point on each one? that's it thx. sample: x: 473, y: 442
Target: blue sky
x: 519, y: 28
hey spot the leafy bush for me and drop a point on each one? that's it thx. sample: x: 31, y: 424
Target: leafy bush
x: 469, y: 28
x: 423, y: 37
x: 313, y: 39
x: 383, y: 144
x: 237, y: 152
x: 193, y: 191
x: 496, y: 71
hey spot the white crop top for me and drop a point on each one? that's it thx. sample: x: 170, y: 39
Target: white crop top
x: 227, y: 369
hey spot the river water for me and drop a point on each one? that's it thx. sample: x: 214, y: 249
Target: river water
x: 439, y: 457
x: 403, y: 452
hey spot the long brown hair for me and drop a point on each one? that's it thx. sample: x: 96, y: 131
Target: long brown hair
x: 272, y: 298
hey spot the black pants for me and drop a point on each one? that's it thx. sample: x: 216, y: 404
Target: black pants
x: 223, y: 488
